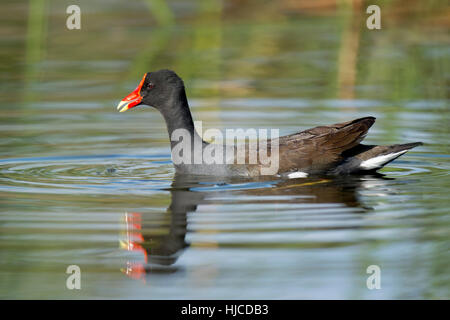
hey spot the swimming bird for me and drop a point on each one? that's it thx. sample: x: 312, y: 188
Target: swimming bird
x: 334, y: 149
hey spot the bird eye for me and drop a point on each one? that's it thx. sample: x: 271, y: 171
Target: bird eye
x: 150, y: 85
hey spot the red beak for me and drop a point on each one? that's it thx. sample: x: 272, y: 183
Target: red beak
x: 133, y: 99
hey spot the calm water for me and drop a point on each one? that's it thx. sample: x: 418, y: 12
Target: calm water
x: 81, y: 184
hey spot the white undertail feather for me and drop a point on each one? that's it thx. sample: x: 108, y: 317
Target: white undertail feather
x: 378, y: 162
x: 297, y: 174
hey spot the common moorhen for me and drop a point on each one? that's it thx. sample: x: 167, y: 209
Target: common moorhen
x: 333, y: 149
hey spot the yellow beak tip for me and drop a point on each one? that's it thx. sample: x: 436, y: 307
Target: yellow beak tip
x: 123, y: 106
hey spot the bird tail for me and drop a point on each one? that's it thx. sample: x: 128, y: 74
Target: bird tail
x: 379, y: 156
x: 364, y: 158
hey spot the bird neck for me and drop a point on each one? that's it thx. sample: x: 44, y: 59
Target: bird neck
x: 178, y: 116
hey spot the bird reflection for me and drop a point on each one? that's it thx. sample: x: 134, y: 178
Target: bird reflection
x: 157, y: 240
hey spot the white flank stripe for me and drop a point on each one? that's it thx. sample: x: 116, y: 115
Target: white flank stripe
x: 297, y: 174
x: 378, y: 162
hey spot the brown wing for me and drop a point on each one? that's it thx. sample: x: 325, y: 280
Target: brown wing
x: 318, y: 149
